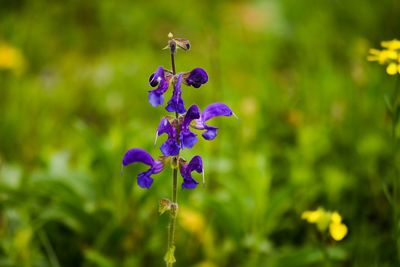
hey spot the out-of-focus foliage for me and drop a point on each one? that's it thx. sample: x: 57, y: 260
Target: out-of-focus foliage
x: 312, y: 132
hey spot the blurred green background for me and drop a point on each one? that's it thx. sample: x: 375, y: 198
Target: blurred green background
x: 312, y: 131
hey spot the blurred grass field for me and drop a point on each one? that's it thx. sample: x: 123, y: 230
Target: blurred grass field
x: 312, y: 132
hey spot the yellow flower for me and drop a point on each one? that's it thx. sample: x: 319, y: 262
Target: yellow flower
x: 313, y: 216
x: 391, y: 45
x: 393, y: 68
x: 382, y: 56
x: 336, y: 218
x: 338, y: 231
x: 192, y: 221
x: 11, y: 58
x: 324, y: 219
x: 390, y: 55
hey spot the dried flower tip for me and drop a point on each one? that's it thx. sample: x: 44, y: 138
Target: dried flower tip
x: 182, y: 43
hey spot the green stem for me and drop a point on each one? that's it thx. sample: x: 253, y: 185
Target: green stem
x: 395, y: 104
x: 169, y: 257
x: 394, y: 111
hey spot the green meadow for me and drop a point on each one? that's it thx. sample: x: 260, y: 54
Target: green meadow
x: 307, y: 175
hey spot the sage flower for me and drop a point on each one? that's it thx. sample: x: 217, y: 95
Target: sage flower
x: 211, y: 111
x: 134, y: 155
x: 195, y: 164
x: 170, y: 147
x: 175, y: 104
x: 187, y: 139
x: 196, y: 77
x: 161, y: 79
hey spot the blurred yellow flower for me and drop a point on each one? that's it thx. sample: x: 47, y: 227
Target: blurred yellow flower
x: 312, y: 216
x: 391, y: 45
x: 11, y: 58
x: 192, y: 221
x: 382, y: 56
x: 390, y: 56
x: 325, y: 219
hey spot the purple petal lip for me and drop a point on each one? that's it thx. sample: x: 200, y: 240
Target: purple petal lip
x: 188, y: 139
x: 210, y: 133
x: 155, y: 98
x: 170, y: 147
x: 145, y: 180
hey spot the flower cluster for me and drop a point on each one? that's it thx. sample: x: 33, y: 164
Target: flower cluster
x: 324, y: 219
x: 389, y: 56
x: 178, y: 127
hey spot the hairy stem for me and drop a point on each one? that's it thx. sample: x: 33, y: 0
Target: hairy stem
x: 169, y: 257
x: 396, y: 176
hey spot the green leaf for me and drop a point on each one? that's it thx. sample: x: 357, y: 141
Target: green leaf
x: 169, y: 257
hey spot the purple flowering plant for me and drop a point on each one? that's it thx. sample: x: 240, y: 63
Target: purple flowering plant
x: 179, y: 128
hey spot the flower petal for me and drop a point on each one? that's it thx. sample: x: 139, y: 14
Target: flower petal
x: 195, y: 164
x: 144, y: 179
x: 211, y: 111
x: 192, y: 114
x: 391, y: 69
x: 137, y: 155
x: 170, y: 147
x: 214, y: 110
x: 175, y: 104
x: 210, y: 133
x: 197, y: 77
x: 188, y: 139
x: 338, y: 231
x: 166, y: 127
x: 156, y: 97
x: 157, y: 77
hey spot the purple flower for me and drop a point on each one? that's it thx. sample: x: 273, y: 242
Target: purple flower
x: 171, y: 146
x: 187, y: 138
x: 196, y: 77
x: 195, y: 164
x: 175, y: 104
x: 139, y: 155
x: 160, y: 78
x: 211, y: 111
